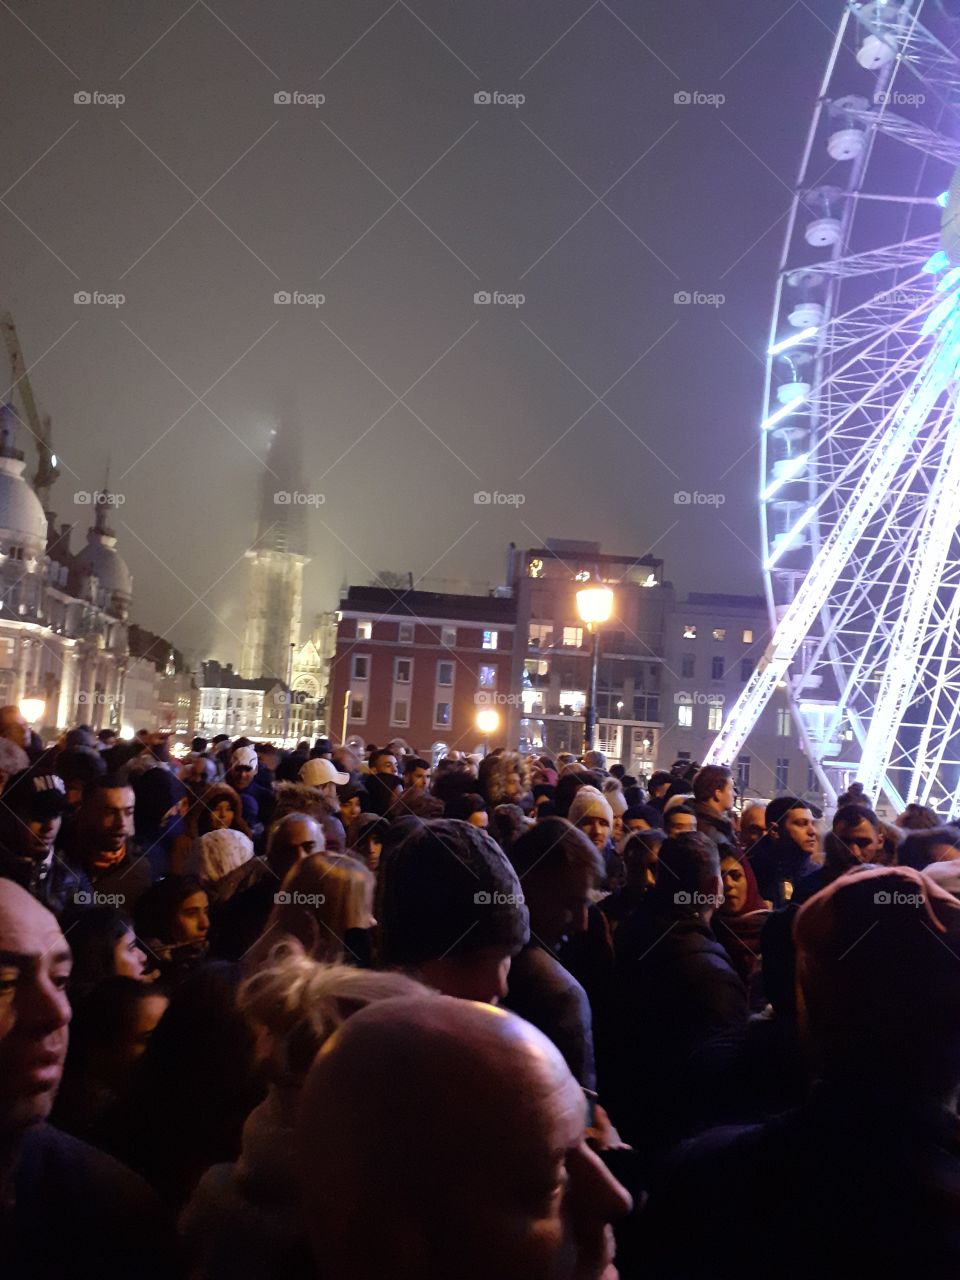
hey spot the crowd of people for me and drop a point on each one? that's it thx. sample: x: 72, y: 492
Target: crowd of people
x: 328, y: 1014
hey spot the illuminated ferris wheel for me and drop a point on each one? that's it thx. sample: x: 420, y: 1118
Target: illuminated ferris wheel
x: 859, y: 438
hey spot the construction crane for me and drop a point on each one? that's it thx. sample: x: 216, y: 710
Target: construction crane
x: 37, y: 424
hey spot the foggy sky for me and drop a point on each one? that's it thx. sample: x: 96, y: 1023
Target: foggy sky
x: 491, y: 197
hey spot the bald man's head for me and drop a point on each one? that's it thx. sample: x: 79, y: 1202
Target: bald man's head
x: 441, y: 1137
x: 34, y: 1010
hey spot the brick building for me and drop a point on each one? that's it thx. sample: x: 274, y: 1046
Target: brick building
x: 418, y: 665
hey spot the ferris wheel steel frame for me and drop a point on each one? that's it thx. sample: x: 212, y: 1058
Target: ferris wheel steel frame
x: 860, y: 444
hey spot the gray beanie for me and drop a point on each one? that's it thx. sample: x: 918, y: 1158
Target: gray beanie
x: 445, y: 888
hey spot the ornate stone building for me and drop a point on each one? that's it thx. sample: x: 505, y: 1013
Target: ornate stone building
x: 63, y: 617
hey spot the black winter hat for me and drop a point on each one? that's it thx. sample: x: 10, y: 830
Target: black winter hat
x: 445, y: 888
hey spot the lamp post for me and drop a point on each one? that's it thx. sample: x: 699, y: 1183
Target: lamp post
x: 488, y: 722
x: 595, y: 605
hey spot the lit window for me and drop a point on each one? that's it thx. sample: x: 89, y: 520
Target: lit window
x: 539, y: 635
x: 361, y: 666
x: 689, y: 632
x: 405, y: 633
x: 783, y: 723
x: 719, y: 633
x: 715, y: 719
x: 747, y: 636
x: 685, y: 717
x: 364, y: 630
x: 445, y: 673
x: 442, y: 717
x: 582, y: 576
x: 572, y: 702
x: 536, y: 568
x: 489, y: 639
x: 572, y: 637
x: 402, y: 670
x: 716, y: 669
x: 488, y: 677
x: 448, y: 637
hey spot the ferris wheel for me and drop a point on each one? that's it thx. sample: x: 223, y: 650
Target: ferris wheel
x: 859, y: 437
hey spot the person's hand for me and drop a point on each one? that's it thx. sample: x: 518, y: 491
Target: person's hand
x: 601, y: 1135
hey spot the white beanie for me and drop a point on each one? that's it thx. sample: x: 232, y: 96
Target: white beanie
x: 616, y: 800
x: 244, y: 755
x: 222, y: 852
x: 589, y: 803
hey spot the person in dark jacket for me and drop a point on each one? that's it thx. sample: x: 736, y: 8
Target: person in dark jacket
x: 786, y: 854
x: 102, y: 844
x: 31, y: 811
x: 557, y: 866
x: 855, y: 839
x: 65, y: 1208
x: 714, y: 794
x: 675, y: 989
x: 871, y: 1161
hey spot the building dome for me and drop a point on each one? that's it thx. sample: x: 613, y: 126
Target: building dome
x: 101, y: 559
x: 22, y: 522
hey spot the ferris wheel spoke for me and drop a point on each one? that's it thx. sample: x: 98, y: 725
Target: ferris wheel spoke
x: 918, y: 49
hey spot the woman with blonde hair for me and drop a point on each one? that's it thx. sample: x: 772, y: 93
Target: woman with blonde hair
x: 326, y: 904
x: 244, y: 1218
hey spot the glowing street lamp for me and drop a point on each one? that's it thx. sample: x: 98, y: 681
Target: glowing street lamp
x: 488, y: 722
x: 32, y: 709
x: 595, y: 605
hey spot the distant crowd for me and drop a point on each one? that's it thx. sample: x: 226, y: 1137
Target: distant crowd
x: 325, y: 1014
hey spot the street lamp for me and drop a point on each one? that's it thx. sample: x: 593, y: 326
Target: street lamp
x: 32, y: 709
x: 488, y: 722
x: 595, y: 605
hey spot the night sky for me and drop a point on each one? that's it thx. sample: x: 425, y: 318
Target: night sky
x: 598, y: 198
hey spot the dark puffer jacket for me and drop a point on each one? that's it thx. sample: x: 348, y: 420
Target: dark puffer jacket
x: 58, y: 886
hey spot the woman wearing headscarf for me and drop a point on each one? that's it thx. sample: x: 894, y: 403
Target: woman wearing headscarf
x: 738, y: 922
